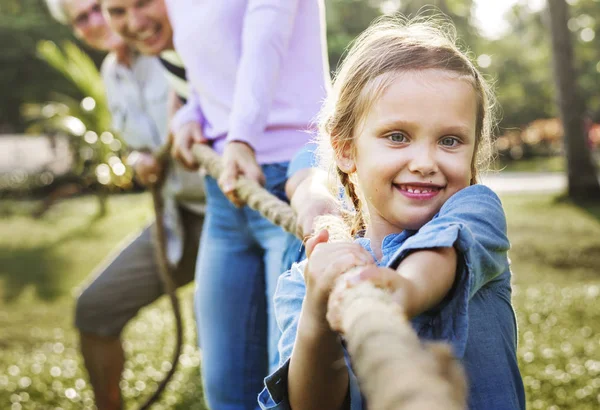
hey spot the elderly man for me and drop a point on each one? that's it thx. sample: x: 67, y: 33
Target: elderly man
x: 258, y: 76
x: 137, y: 93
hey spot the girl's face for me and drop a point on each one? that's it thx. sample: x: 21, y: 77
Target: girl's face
x: 89, y: 25
x: 414, y: 149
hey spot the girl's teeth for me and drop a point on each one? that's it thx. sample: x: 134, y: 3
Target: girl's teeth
x: 418, y: 191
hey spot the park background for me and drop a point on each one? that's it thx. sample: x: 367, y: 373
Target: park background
x: 67, y: 198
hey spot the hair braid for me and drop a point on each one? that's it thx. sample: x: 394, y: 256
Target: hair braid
x: 357, y: 223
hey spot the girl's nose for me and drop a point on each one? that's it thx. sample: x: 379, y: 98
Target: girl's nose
x: 423, y: 160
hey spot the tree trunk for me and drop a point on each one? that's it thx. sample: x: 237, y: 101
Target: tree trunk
x: 581, y: 173
x: 102, y: 197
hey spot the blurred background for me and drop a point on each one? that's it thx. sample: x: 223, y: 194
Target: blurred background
x: 67, y: 197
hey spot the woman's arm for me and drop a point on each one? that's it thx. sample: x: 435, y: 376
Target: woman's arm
x: 268, y: 26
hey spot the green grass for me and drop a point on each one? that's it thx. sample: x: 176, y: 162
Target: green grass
x: 556, y: 263
x: 43, y: 263
x: 536, y: 164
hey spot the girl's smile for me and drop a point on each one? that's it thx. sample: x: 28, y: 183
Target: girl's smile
x: 418, y: 190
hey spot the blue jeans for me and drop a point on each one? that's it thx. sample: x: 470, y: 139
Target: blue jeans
x: 239, y: 263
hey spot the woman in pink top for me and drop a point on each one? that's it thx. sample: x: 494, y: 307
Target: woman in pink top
x: 258, y: 76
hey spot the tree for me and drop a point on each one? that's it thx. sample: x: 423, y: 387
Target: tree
x: 581, y: 173
x: 459, y: 11
x: 23, y: 76
x: 86, y: 121
x: 346, y: 19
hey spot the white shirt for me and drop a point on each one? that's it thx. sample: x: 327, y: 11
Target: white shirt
x: 137, y: 98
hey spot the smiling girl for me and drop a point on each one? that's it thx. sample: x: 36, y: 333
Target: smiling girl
x: 408, y: 128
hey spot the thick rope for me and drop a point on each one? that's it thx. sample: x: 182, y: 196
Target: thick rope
x: 393, y: 367
x: 249, y: 192
x: 165, y: 271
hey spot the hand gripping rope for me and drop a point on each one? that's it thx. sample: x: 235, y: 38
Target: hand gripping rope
x: 396, y: 371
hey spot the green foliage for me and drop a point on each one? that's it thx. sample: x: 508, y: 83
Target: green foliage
x: 521, y: 69
x: 23, y: 76
x: 346, y: 19
x: 76, y: 66
x: 585, y: 25
x: 97, y: 151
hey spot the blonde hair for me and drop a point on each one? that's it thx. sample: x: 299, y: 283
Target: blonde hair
x: 389, y: 46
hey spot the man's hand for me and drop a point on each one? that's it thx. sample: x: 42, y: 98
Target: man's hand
x: 146, y: 168
x: 188, y: 135
x: 310, y: 198
x: 238, y: 160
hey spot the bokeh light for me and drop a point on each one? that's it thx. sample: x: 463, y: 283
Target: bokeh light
x: 88, y: 104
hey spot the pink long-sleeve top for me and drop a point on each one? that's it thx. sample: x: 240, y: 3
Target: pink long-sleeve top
x: 257, y: 70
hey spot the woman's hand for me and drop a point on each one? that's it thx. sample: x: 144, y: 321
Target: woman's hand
x: 238, y: 160
x: 189, y: 134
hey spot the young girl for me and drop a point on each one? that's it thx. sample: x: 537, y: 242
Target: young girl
x: 408, y: 127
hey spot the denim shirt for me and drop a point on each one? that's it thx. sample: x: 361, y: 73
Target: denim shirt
x: 476, y: 317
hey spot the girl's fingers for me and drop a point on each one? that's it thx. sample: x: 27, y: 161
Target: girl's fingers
x: 323, y: 256
x: 333, y: 259
x: 334, y: 250
x: 381, y: 277
x: 387, y: 279
x: 321, y: 237
x: 342, y: 263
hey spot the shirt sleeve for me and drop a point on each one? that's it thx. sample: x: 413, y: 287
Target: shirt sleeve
x: 189, y: 112
x: 288, y: 304
x: 268, y: 26
x: 305, y: 158
x: 473, y: 222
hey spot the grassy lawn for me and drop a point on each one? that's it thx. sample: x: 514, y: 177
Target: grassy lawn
x: 537, y: 164
x: 43, y: 262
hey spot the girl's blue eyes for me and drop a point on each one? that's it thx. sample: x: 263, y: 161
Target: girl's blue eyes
x: 400, y: 137
x: 397, y: 137
x: 449, y: 141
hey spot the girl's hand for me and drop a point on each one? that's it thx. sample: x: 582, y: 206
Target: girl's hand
x: 384, y: 278
x: 326, y: 262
